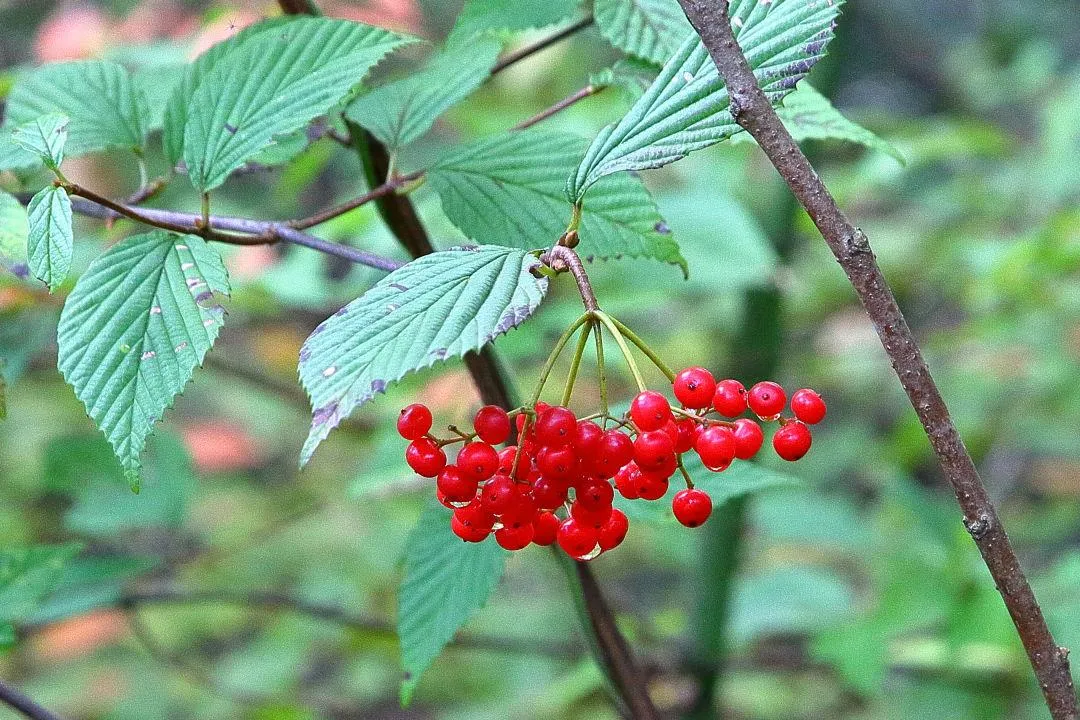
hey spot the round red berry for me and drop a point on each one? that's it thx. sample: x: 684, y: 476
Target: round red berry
x: 555, y: 426
x: 615, y: 450
x: 626, y: 480
x: 455, y: 485
x: 425, y: 457
x: 694, y: 387
x: 476, y: 517
x: 748, y: 438
x: 808, y: 406
x: 729, y: 398
x: 587, y: 437
x: 716, y: 447
x: 522, y: 511
x: 688, y: 431
x: 414, y: 421
x: 650, y: 410
x: 478, y: 460
x: 652, y: 449
x: 593, y: 517
x: 691, y: 507
x: 766, y: 400
x: 498, y: 494
x: 545, y: 528
x: 468, y: 533
x: 651, y: 486
x: 595, y: 494
x: 558, y: 462
x: 492, y: 424
x: 792, y: 441
x: 549, y: 493
x: 613, y: 532
x: 575, y: 538
x: 514, y: 538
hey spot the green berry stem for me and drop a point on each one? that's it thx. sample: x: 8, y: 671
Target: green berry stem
x: 614, y: 330
x: 645, y: 349
x: 575, y: 362
x: 554, y: 356
x: 601, y: 373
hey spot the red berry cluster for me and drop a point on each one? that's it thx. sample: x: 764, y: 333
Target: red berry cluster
x: 557, y: 484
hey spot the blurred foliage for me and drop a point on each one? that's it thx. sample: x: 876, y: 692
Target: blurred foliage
x: 860, y: 594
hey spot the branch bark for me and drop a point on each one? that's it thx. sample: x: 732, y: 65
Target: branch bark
x: 754, y: 113
x: 24, y: 704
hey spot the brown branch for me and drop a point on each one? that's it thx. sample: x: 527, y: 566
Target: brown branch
x: 753, y: 111
x: 561, y: 258
x: 587, y: 91
x: 24, y: 704
x: 385, y: 189
x: 518, y: 55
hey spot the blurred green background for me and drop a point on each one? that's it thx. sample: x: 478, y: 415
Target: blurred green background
x: 858, y: 592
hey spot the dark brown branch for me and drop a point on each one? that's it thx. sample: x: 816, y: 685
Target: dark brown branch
x: 24, y: 704
x: 385, y: 189
x: 587, y: 91
x: 518, y: 55
x: 561, y: 258
x: 752, y: 111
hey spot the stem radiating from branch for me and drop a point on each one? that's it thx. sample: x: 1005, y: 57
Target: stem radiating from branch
x: 24, y: 704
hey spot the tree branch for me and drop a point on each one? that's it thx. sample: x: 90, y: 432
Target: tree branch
x: 24, y: 704
x: 539, y: 45
x: 752, y: 111
x: 587, y: 91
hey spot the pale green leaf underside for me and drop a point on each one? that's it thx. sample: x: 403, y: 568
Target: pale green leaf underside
x: 649, y: 29
x: 509, y: 190
x: 437, y: 307
x: 28, y: 575
x: 271, y: 84
x: 446, y: 581
x: 50, y: 243
x: 14, y: 231
x: 808, y: 115
x: 482, y: 16
x: 45, y: 136
x: 132, y: 331
x: 105, y: 108
x: 14, y: 156
x: 402, y: 111
x: 686, y: 108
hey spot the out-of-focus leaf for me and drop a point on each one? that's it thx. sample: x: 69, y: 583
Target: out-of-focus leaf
x: 508, y: 16
x: 14, y: 231
x: 649, y: 29
x: 793, y: 599
x: 28, y: 575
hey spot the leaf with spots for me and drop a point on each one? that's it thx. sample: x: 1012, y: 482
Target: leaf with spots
x: 648, y: 29
x: 446, y: 581
x: 50, y: 243
x: 437, y: 307
x: 687, y: 106
x: 45, y: 137
x: 509, y: 190
x: 132, y: 331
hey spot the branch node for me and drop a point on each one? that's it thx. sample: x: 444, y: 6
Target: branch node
x: 978, y: 527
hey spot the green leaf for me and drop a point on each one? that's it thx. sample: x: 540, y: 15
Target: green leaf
x: 105, y: 108
x: 134, y: 328
x: 649, y: 29
x: 402, y: 111
x: 14, y: 231
x: 508, y: 16
x: 45, y: 137
x: 7, y: 635
x: 686, y: 108
x: 630, y: 75
x: 808, y: 115
x: 14, y: 156
x: 446, y: 581
x: 440, y: 306
x: 271, y: 84
x: 510, y: 190
x: 50, y: 243
x: 28, y: 575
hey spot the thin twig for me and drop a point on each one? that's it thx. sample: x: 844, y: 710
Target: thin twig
x: 542, y: 44
x: 24, y: 704
x: 561, y: 258
x: 385, y: 189
x: 587, y: 91
x: 753, y: 111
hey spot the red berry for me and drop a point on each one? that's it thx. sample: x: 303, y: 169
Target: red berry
x: 587, y: 437
x: 652, y: 449
x: 443, y: 500
x: 716, y: 447
x: 691, y: 507
x: 545, y: 528
x: 615, y: 450
x: 425, y: 457
x: 688, y: 431
x: 792, y: 441
x: 478, y: 460
x: 651, y: 486
x: 729, y: 398
x: 522, y: 511
x: 595, y: 494
x: 549, y: 493
x: 498, y: 494
x: 475, y: 516
x: 558, y: 462
x: 414, y: 421
x: 455, y: 485
x: 514, y: 538
x: 767, y: 400
x: 694, y: 387
x: 468, y: 533
x: 626, y: 480
x: 748, y: 438
x: 575, y: 538
x: 593, y: 517
x: 555, y: 426
x: 612, y: 533
x: 492, y: 424
x: 808, y: 406
x: 650, y: 410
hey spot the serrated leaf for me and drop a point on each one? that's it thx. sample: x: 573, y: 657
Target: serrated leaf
x: 687, y: 107
x: 105, y: 108
x: 510, y: 190
x: 437, y: 307
x: 630, y: 75
x: 508, y: 16
x: 808, y: 115
x: 273, y: 83
x: 14, y: 156
x: 14, y: 231
x: 50, y: 243
x: 134, y: 328
x: 446, y: 581
x: 45, y: 137
x: 28, y: 575
x: 402, y: 111
x: 649, y: 29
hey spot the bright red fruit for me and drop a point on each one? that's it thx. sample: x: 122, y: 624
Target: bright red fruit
x: 549, y: 493
x: 555, y: 426
x: 455, y: 485
x: 593, y: 517
x: 652, y: 449
x: 595, y: 494
x: 615, y: 450
x: 492, y: 424
x: 694, y: 387
x: 478, y: 460
x: 425, y: 457
x: 716, y: 447
x: 748, y: 438
x: 575, y: 538
x: 558, y: 462
x: 691, y: 507
x: 468, y: 533
x: 498, y: 494
x: 808, y: 406
x: 414, y: 421
x: 792, y: 441
x: 651, y: 486
x: 474, y: 516
x: 514, y: 538
x: 650, y: 410
x: 688, y: 432
x: 767, y: 400
x: 626, y: 480
x: 545, y: 528
x: 587, y: 437
x: 613, y: 532
x: 729, y: 398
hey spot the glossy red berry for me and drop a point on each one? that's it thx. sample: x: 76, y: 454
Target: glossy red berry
x: 455, y: 485
x: 593, y: 517
x: 652, y: 449
x: 626, y: 481
x: 555, y: 426
x: 615, y: 450
x: 492, y: 425
x: 545, y: 528
x: 766, y: 399
x: 613, y: 532
x: 694, y: 387
x: 650, y: 410
x: 729, y: 398
x: 498, y: 494
x: 549, y: 493
x: 587, y: 437
x: 651, y: 486
x: 792, y: 441
x: 716, y: 447
x: 476, y: 517
x: 691, y: 507
x: 478, y: 460
x: 575, y: 538
x: 514, y: 538
x: 558, y: 462
x: 414, y: 421
x: 468, y: 533
x: 808, y: 406
x: 521, y: 511
x: 595, y: 494
x: 748, y: 438
x: 425, y: 457
x: 687, y: 433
